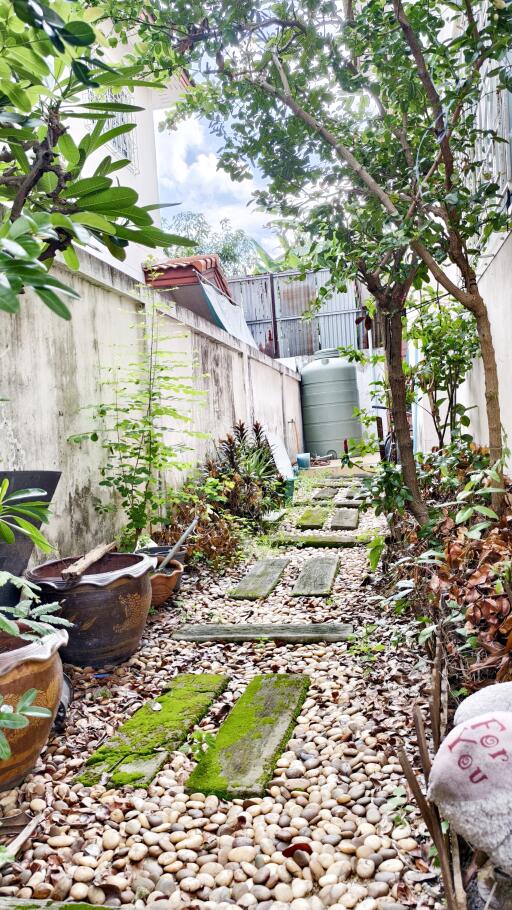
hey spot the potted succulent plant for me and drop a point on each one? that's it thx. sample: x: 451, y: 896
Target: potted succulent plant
x: 30, y: 678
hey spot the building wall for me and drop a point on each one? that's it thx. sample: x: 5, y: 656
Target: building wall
x: 496, y: 289
x: 50, y: 373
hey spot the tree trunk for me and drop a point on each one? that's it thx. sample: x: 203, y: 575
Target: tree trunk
x: 492, y: 400
x: 396, y: 378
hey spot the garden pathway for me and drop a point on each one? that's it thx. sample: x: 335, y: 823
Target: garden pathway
x: 334, y: 828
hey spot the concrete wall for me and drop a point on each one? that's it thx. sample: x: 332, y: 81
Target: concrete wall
x: 51, y: 371
x: 496, y: 289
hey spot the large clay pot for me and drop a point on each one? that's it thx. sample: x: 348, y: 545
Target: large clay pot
x: 29, y: 665
x: 108, y: 606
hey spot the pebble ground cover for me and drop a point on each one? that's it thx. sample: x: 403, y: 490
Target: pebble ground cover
x: 334, y: 829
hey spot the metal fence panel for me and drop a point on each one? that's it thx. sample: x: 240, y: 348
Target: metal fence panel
x: 274, y: 307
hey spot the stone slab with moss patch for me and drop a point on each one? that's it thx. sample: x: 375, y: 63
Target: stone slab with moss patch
x: 345, y: 520
x: 242, y: 758
x: 325, y: 493
x: 142, y: 744
x: 347, y: 503
x: 315, y: 540
x: 312, y: 519
x: 261, y: 579
x: 316, y: 577
x: 293, y: 633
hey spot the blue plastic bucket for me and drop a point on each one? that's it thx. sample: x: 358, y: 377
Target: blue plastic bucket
x: 303, y: 461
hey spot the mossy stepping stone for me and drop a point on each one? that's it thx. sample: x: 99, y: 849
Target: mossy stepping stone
x: 345, y: 520
x: 315, y: 540
x: 141, y: 745
x: 241, y: 760
x: 273, y: 518
x: 345, y: 503
x: 325, y: 493
x: 290, y: 633
x: 317, y: 577
x: 312, y: 519
x: 261, y: 580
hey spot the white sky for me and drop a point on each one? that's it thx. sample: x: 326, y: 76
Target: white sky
x: 188, y: 174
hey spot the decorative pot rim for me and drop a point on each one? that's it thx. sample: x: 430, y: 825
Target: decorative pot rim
x: 142, y: 566
x: 177, y: 569
x: 39, y: 650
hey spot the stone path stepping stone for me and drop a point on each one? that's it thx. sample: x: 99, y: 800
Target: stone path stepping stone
x: 347, y: 503
x: 241, y: 761
x: 315, y: 540
x: 141, y: 745
x: 273, y: 518
x: 345, y: 520
x: 312, y: 519
x: 261, y: 579
x: 290, y: 633
x: 317, y: 577
x: 325, y: 493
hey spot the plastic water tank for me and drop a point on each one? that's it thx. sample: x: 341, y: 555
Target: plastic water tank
x: 329, y: 396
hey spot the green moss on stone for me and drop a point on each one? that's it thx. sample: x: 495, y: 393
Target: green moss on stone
x: 313, y: 518
x: 184, y: 704
x: 242, y: 759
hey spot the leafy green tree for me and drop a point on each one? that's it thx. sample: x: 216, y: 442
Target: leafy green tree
x: 233, y: 246
x: 448, y: 341
x: 361, y: 116
x: 53, y: 70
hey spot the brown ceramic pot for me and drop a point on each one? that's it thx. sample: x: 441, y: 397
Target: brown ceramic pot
x: 108, y: 606
x: 163, y: 584
x: 29, y: 665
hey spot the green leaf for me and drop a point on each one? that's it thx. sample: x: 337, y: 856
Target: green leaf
x: 68, y: 148
x: 114, y: 201
x: 37, y: 711
x: 71, y: 259
x: 464, y: 514
x: 12, y: 721
x: 6, y: 533
x: 5, y: 749
x: 78, y: 34
x: 94, y: 220
x: 26, y: 700
x: 485, y: 510
x: 87, y: 186
x: 114, y: 106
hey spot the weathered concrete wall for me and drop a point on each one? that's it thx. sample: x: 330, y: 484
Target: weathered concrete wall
x: 51, y: 371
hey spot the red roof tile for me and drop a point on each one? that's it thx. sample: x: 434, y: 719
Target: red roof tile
x: 185, y: 270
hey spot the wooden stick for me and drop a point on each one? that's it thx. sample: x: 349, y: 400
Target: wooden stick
x: 460, y: 891
x: 78, y: 568
x: 433, y: 826
x: 15, y: 846
x: 435, y: 701
x: 422, y: 742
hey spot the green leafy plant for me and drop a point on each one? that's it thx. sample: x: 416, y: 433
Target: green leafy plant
x: 133, y: 427
x: 447, y: 337
x: 29, y: 620
x: 376, y: 547
x: 51, y: 197
x: 16, y: 511
x: 363, y: 646
x: 17, y: 717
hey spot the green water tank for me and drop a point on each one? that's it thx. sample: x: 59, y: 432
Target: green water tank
x: 329, y: 396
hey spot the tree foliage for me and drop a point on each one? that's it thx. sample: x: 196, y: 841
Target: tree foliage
x: 53, y: 71
x: 235, y: 249
x: 448, y: 341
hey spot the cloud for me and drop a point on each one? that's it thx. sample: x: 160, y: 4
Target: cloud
x: 188, y: 174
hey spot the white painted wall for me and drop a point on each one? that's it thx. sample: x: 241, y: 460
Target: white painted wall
x: 50, y: 371
x: 496, y: 289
